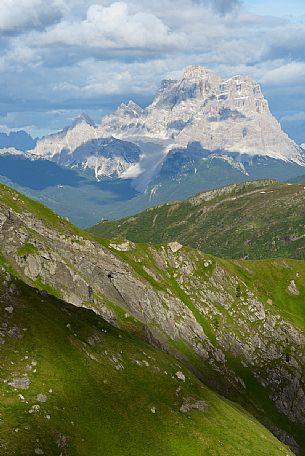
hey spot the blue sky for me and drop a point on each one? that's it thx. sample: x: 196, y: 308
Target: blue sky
x: 281, y: 8
x: 63, y: 57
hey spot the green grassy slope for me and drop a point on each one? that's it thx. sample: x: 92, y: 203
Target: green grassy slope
x: 254, y: 220
x: 92, y: 388
x: 239, y: 324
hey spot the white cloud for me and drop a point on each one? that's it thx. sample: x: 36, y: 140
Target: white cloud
x: 69, y: 55
x: 113, y: 26
x: 294, y: 117
x: 286, y: 74
x: 132, y: 172
x: 222, y: 6
x: 15, y: 14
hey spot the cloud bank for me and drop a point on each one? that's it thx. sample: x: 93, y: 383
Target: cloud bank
x: 66, y: 56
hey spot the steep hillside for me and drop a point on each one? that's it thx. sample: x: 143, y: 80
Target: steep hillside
x: 71, y: 384
x: 259, y: 219
x: 238, y: 325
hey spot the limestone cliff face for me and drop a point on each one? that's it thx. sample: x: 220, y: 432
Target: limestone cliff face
x: 230, y: 115
x: 198, y: 307
x: 226, y: 117
x: 82, y: 145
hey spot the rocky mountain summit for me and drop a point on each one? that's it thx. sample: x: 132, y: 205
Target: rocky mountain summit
x: 222, y: 115
x: 82, y: 145
x: 81, y: 131
x: 229, y: 115
x: 238, y: 325
x: 200, y: 132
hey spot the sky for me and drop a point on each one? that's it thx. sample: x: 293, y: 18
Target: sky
x: 64, y: 57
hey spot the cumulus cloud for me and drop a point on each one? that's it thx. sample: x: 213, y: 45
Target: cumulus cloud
x: 286, y: 74
x: 286, y: 40
x: 20, y: 14
x: 114, y: 26
x: 294, y: 117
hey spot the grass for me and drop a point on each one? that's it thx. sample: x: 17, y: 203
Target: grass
x: 27, y: 249
x: 93, y: 405
x: 266, y: 280
x: 20, y: 203
x: 271, y: 279
x: 233, y: 223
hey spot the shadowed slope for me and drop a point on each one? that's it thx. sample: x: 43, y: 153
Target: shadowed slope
x: 72, y: 384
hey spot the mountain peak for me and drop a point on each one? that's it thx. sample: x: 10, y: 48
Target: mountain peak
x: 196, y: 72
x: 196, y: 84
x: 227, y: 114
x: 132, y: 105
x: 83, y: 119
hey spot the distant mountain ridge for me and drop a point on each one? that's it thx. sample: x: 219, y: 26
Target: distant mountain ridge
x: 20, y: 140
x: 252, y: 220
x: 82, y: 145
x: 200, y: 132
x: 229, y: 115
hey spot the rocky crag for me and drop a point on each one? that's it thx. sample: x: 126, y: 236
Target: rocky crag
x: 82, y: 145
x: 229, y: 115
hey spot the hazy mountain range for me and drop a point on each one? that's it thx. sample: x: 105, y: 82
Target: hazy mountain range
x: 200, y: 132
x: 20, y: 140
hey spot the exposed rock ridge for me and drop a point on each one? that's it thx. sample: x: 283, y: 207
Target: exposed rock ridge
x: 248, y: 187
